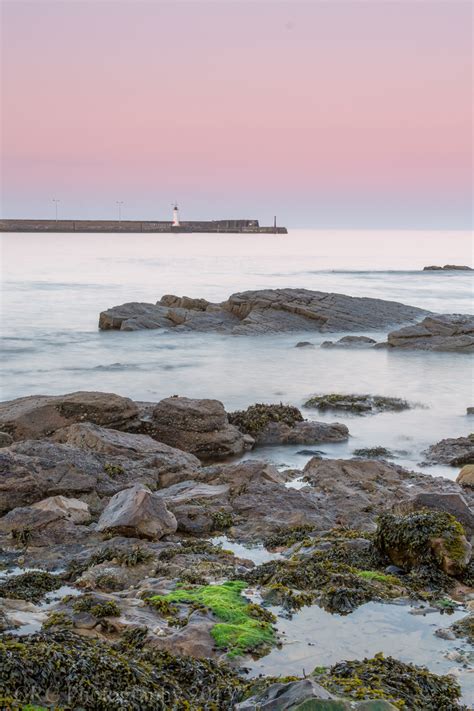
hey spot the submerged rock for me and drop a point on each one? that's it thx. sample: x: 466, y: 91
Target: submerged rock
x: 373, y: 453
x: 137, y: 513
x: 452, y: 451
x: 447, y: 332
x: 350, y: 342
x: 262, y: 311
x: 284, y: 424
x: 448, y: 267
x: 38, y: 416
x: 357, y: 404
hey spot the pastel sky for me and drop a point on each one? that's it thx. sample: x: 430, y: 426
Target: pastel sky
x: 326, y: 113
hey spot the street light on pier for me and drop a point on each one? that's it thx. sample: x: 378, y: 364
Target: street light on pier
x: 119, y: 204
x: 56, y: 201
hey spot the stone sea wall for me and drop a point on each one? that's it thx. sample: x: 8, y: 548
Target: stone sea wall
x: 226, y: 226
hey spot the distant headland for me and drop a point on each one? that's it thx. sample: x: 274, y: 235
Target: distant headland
x: 145, y: 226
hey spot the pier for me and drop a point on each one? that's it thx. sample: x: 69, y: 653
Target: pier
x: 139, y: 226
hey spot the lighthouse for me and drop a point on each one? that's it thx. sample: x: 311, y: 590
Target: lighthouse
x: 175, y: 215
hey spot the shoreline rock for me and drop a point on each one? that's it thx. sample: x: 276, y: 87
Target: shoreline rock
x: 446, y: 332
x: 448, y: 267
x: 260, y: 312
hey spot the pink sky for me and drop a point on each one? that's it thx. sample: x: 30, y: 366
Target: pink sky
x: 328, y: 113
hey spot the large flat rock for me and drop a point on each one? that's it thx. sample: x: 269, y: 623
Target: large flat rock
x: 446, y: 332
x: 262, y: 311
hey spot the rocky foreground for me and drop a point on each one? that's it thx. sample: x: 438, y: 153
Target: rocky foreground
x: 108, y: 509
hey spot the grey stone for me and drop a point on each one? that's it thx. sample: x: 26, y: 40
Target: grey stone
x: 137, y: 513
x: 447, y: 332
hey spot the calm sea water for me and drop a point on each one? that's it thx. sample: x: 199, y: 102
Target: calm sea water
x: 54, y: 287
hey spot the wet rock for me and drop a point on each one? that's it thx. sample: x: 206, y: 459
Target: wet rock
x: 29, y: 526
x: 448, y: 267
x: 353, y: 492
x: 262, y: 311
x: 284, y: 424
x: 5, y: 439
x: 37, y: 416
x: 454, y: 504
x: 466, y: 476
x: 452, y: 451
x: 137, y: 513
x: 197, y: 426
x: 74, y: 510
x: 283, y: 697
x: 357, y: 404
x: 196, y: 504
x: 350, y: 342
x: 423, y: 538
x: 373, y: 453
x: 36, y: 469
x: 304, y: 344
x: 469, y: 410
x: 447, y: 332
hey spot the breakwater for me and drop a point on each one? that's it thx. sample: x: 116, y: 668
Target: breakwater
x: 141, y: 226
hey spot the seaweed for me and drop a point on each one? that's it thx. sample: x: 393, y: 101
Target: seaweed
x: 406, y: 686
x: 124, y: 555
x: 78, y: 672
x: 31, y: 586
x: 255, y: 418
x: 97, y: 608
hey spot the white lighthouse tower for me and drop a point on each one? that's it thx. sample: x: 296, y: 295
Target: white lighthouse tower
x: 176, y: 222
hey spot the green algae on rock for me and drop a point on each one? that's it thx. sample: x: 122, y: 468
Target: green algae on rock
x: 243, y: 626
x: 69, y: 670
x: 406, y: 686
x: 31, y: 586
x: 255, y: 418
x: 424, y: 537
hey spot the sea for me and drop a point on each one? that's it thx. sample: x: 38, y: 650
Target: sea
x: 55, y: 285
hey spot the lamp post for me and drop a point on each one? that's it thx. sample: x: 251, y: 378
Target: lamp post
x: 120, y: 203
x: 56, y: 207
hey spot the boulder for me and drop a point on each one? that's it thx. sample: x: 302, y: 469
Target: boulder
x: 447, y: 332
x: 423, y: 537
x: 262, y: 311
x: 285, y: 696
x: 137, y: 513
x: 73, y: 510
x: 454, y: 504
x: 284, y: 424
x: 350, y: 342
x: 93, y: 438
x: 196, y: 505
x: 466, y: 476
x: 197, y: 426
x: 38, y: 416
x: 452, y: 451
x: 469, y: 410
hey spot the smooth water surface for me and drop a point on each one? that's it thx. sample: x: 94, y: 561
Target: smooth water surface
x: 54, y: 287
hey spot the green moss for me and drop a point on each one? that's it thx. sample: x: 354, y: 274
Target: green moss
x: 407, y: 686
x: 32, y: 586
x: 240, y: 629
x: 378, y: 577
x: 97, y: 608
x: 81, y: 673
x: 255, y: 418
